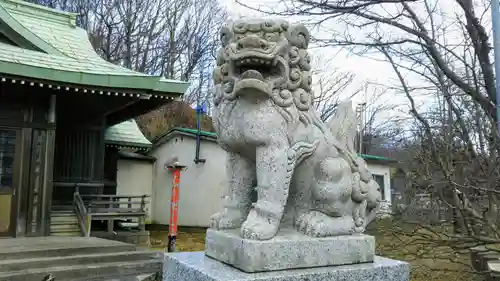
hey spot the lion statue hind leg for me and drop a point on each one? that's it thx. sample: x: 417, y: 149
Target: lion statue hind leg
x: 331, y: 212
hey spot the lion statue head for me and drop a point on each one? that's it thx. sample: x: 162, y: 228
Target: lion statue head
x: 268, y: 58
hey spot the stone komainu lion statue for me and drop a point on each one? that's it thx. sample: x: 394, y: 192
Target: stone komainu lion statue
x: 307, y: 175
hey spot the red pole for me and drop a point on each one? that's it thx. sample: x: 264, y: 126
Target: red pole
x: 174, y: 207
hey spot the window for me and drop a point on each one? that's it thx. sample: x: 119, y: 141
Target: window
x: 254, y: 196
x: 380, y: 180
x: 7, y: 150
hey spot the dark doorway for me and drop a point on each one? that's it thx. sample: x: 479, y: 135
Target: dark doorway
x: 8, y: 143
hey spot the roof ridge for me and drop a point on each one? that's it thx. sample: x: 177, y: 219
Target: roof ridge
x: 185, y: 129
x: 36, y: 10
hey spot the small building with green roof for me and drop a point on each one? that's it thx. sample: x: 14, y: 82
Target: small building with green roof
x: 58, y: 98
x: 203, y: 184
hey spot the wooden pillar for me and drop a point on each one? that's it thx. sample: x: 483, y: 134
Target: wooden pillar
x: 48, y: 186
x: 23, y: 181
x: 40, y: 173
x: 36, y: 182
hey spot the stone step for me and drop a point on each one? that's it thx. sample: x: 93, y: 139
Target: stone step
x: 76, y: 233
x: 44, y: 262
x: 102, y: 271
x: 39, y: 247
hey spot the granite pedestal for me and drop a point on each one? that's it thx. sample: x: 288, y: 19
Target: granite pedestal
x: 196, y: 266
x: 288, y: 250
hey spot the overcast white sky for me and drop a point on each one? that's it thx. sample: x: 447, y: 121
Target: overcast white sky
x: 364, y: 68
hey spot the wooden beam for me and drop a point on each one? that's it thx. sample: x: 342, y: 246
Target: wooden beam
x: 123, y: 106
x: 137, y: 109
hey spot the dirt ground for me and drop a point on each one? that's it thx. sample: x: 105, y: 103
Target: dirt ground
x: 430, y: 262
x: 188, y: 240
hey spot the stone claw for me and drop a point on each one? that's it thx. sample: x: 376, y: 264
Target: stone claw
x: 258, y: 227
x: 227, y: 219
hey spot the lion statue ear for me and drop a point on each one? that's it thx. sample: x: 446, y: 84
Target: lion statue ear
x: 343, y: 125
x: 225, y: 33
x: 298, y: 36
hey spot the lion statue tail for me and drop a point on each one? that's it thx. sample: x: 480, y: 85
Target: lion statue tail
x: 343, y: 125
x: 366, y: 192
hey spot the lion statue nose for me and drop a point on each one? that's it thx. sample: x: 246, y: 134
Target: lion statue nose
x: 251, y: 42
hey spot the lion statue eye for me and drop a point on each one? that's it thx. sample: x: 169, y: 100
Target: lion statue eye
x: 269, y: 37
x: 302, y: 40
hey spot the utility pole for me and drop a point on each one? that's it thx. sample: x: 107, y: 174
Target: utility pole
x: 360, y: 111
x: 495, y: 20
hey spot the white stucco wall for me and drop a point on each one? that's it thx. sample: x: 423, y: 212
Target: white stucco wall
x: 201, y: 185
x: 135, y: 177
x: 383, y: 170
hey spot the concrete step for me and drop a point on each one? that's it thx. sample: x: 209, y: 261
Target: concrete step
x: 40, y: 247
x: 102, y: 271
x: 44, y: 262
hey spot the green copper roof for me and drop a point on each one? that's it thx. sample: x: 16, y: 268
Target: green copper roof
x: 51, y: 47
x: 126, y: 134
x: 377, y: 158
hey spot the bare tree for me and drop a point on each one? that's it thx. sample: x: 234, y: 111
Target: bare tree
x: 331, y: 87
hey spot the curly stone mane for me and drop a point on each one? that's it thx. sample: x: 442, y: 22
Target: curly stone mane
x: 272, y: 52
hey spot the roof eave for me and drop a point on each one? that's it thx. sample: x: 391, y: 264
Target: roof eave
x: 134, y: 145
x: 141, y: 83
x: 136, y: 156
x: 165, y: 86
x: 388, y: 162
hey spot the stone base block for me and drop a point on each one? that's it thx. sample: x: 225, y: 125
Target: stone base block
x: 196, y: 266
x: 288, y: 250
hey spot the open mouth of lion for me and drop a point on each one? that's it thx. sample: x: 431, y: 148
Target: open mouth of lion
x: 256, y: 68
